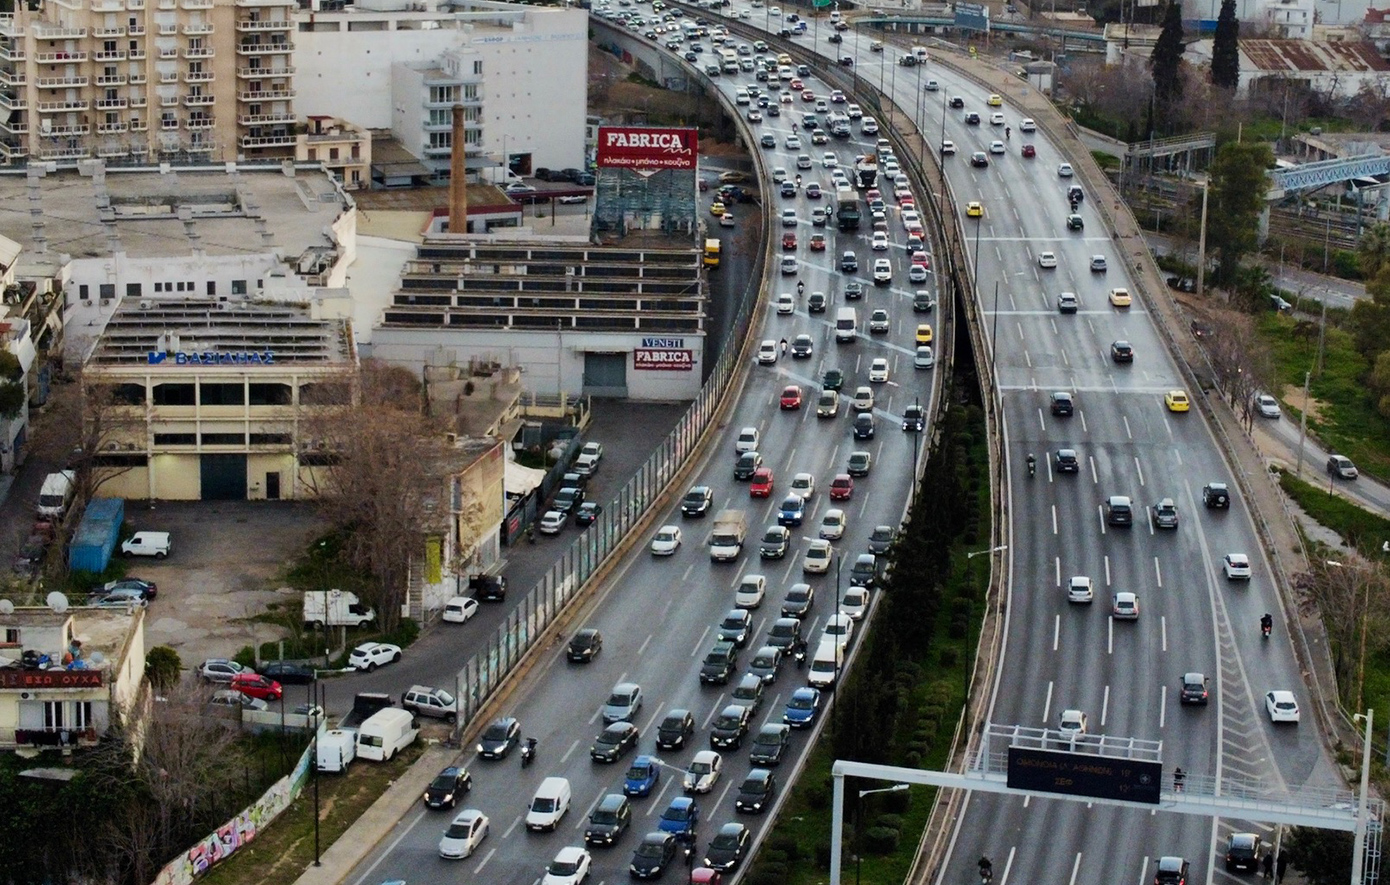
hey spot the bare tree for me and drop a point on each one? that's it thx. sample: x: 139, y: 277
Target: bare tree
x: 95, y: 428
x: 1353, y: 597
x: 1240, y: 361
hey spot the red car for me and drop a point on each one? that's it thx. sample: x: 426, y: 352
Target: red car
x: 257, y: 686
x: 789, y: 242
x: 796, y: 83
x: 807, y: 95
x: 761, y: 485
x: 1028, y: 151
x: 817, y: 242
x: 841, y: 487
x: 791, y: 397
x: 922, y: 258
x: 872, y: 194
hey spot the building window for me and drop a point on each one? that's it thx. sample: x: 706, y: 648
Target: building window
x: 121, y: 460
x: 132, y: 290
x: 82, y: 714
x: 269, y: 395
x: 318, y: 459
x: 441, y: 140
x: 224, y: 439
x: 443, y: 94
x: 332, y: 155
x: 12, y: 636
x: 84, y: 293
x: 325, y: 393
x: 478, y: 67
x: 222, y: 394
x: 238, y: 287
x: 212, y: 287
x: 313, y: 155
x: 52, y: 715
x: 128, y: 394
x: 191, y: 287
x: 271, y: 439
x: 180, y: 285
x: 158, y: 287
x: 175, y: 395
x: 108, y: 290
x: 175, y: 439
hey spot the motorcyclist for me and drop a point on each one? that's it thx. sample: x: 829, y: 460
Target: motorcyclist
x: 986, y: 869
x: 1032, y: 464
x: 1266, y: 623
x: 800, y: 288
x: 1007, y: 130
x: 1178, y: 776
x: 793, y: 125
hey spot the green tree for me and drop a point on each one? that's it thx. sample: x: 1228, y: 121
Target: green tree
x: 1370, y: 317
x: 162, y: 666
x: 1373, y: 249
x: 1324, y: 856
x: 1379, y: 383
x: 12, y: 393
x: 1225, y: 53
x: 1238, y: 188
x: 1166, y: 62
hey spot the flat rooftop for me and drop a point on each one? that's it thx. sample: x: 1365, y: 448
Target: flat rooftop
x: 101, y: 631
x: 154, y: 214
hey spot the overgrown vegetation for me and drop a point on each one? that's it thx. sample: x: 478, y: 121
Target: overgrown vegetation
x: 901, y: 702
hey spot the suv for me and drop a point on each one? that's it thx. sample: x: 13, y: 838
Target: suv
x: 1062, y: 403
x: 747, y: 464
x: 1215, y: 494
x: 488, y: 588
x: 1066, y: 461
x: 1165, y: 514
x: 609, y: 820
x: 1119, y: 511
x: 1171, y: 871
x: 425, y: 701
x: 1194, y: 689
x: 1243, y: 852
x: 719, y: 664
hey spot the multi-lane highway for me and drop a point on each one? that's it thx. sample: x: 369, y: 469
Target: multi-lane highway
x: 658, y: 615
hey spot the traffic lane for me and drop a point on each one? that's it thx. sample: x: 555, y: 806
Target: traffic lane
x: 627, y: 431
x: 1363, y: 490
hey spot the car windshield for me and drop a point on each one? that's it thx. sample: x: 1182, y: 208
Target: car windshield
x: 747, y: 691
x: 604, y: 817
x: 562, y: 867
x: 768, y: 739
x: 637, y: 773
x: 725, y: 840
x: 458, y: 831
x: 497, y: 731
x: 732, y: 623
x: 727, y: 721
x: 650, y: 849
x: 799, y: 702
x: 676, y: 813
x: 443, y: 782
x: 618, y: 699
x: 698, y: 767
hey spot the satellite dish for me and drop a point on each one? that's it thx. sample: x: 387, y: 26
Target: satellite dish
x: 98, y: 658
x: 6, y: 607
x: 57, y: 601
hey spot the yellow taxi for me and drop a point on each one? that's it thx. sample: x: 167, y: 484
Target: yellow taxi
x: 996, y: 100
x: 973, y: 209
x: 924, y: 334
x: 1176, y: 401
x: 1120, y: 297
x: 717, y: 210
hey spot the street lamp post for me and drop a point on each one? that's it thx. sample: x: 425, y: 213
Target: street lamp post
x: 969, y: 611
x: 859, y: 822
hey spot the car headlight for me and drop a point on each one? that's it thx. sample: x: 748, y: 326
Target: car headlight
x: 480, y: 748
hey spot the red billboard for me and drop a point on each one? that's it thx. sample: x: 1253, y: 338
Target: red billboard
x: 646, y: 147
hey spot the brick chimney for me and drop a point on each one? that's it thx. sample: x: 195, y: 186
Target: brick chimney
x: 458, y: 187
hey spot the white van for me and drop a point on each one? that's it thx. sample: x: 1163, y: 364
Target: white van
x: 846, y: 325
x: 56, y: 494
x: 825, y: 666
x: 550, y: 803
x: 336, y: 749
x: 385, y: 733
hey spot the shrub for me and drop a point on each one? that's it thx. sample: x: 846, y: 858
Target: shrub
x: 822, y: 856
x: 773, y: 856
x: 932, y: 711
x: 818, y: 797
x: 947, y: 658
x: 921, y: 748
x: 762, y: 875
x: 891, y: 821
x: 785, y: 844
x: 162, y: 666
x: 898, y: 803
x: 912, y: 759
x: 881, y: 840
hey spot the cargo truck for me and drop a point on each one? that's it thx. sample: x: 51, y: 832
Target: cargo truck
x: 335, y: 608
x: 865, y: 172
x: 846, y: 209
x: 726, y: 538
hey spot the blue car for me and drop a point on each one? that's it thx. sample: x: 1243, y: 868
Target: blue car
x: 680, y: 817
x: 792, y: 512
x: 642, y: 777
x: 802, y: 708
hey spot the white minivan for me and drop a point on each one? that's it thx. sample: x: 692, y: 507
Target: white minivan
x: 549, y: 805
x: 846, y: 325
x: 825, y: 666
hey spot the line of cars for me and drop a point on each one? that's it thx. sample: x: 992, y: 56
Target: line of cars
x: 570, y: 500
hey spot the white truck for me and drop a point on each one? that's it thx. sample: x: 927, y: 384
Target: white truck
x: 726, y: 538
x: 336, y: 749
x: 335, y: 608
x: 56, y: 494
x: 386, y: 733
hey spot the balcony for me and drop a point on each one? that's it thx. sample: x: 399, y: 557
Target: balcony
x: 167, y: 29
x: 138, y: 101
x: 258, y: 73
x: 113, y: 150
x: 168, y: 101
x: 168, y: 76
x: 114, y: 80
x: 114, y: 55
x: 112, y: 104
x: 196, y: 4
x: 8, y: 28
x: 198, y: 52
x: 13, y: 103
x: 107, y: 6
x: 260, y: 25
x: 136, y: 55
x: 13, y: 149
x: 169, y: 125
x: 262, y: 141
x: 59, y: 58
x: 168, y: 54
x: 135, y: 5
x: 261, y: 4
x: 197, y: 100
x: 15, y: 127
x: 47, y: 31
x: 10, y: 52
x: 264, y: 119
x: 74, y: 152
x: 59, y: 107
x: 273, y: 48
x: 117, y: 31
x: 136, y: 30
x: 61, y: 82
x: 266, y: 95
x: 64, y: 131
x: 138, y: 126
x: 197, y: 29
x: 12, y: 78
x: 112, y: 128
x: 200, y: 123
x: 198, y: 77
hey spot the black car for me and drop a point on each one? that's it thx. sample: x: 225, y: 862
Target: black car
x: 148, y: 589
x: 864, y: 571
x: 1122, y: 352
x: 1074, y: 222
x: 289, y: 672
x: 1067, y: 461
x: 1171, y: 871
x: 923, y: 301
x: 859, y: 463
x: 609, y: 820
x: 588, y: 513
x: 747, y: 464
x: 499, y: 739
x: 835, y: 37
x: 770, y: 745
x: 1062, y: 403
x: 1194, y: 689
x: 488, y: 588
x: 881, y: 539
x: 914, y: 419
x: 854, y: 290
x: 584, y: 646
x: 615, y: 740
x: 697, y: 502
x: 1243, y: 852
x: 730, y: 727
x: 718, y: 666
x: 768, y: 140
x: 728, y: 848
x: 447, y: 786
x: 972, y: 119
x: 653, y: 856
x: 756, y: 792
x: 1119, y: 511
x: 957, y: 101
x: 833, y: 379
x: 798, y: 601
x: 1215, y: 494
x: 979, y: 159
x: 802, y: 347
x: 567, y: 499
x: 816, y: 303
x: 736, y: 627
x: 864, y: 426
x: 849, y: 263
x: 677, y: 728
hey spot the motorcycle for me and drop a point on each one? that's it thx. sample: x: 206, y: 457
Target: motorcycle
x: 1266, y: 626
x: 1032, y: 465
x: 528, y: 752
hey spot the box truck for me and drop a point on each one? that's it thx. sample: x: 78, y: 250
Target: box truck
x: 386, y: 733
x: 335, y: 608
x: 726, y: 538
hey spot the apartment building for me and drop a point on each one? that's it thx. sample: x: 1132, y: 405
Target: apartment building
x: 142, y: 81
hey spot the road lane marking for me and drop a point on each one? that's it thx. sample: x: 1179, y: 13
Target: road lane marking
x: 1163, y: 632
x: 1047, y: 704
x: 487, y: 857
x: 1162, y: 705
x: 1104, y: 706
x: 1139, y: 468
x: 1107, y: 570
x: 1110, y: 635
x: 1056, y: 632
x: 565, y: 758
x: 1054, y: 519
x: 1128, y: 433
x: 505, y: 834
x: 1158, y: 572
x: 699, y: 643
x: 1075, y: 869
x: 643, y: 647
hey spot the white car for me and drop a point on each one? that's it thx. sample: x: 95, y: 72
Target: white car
x: 767, y: 352
x: 1064, y: 170
x: 666, y: 540
x: 726, y: 220
x: 1027, y: 125
x: 1072, y: 724
x: 786, y: 304
x: 911, y: 217
x: 883, y: 270
x: 996, y: 147
x: 878, y: 370
x: 948, y: 147
x: 748, y: 439
x: 459, y: 609
x: 570, y: 867
x: 789, y: 218
x: 703, y: 772
x: 880, y: 242
x: 154, y: 544
x: 370, y: 655
x: 855, y: 602
x: 832, y: 524
x: 793, y: 143
x: 932, y: 86
x: 817, y: 559
x: 1047, y: 259
x: 803, y: 161
x: 804, y: 486
x: 1236, y: 566
x: 1080, y: 589
x: 751, y: 591
x: 1126, y: 606
x: 839, y: 627
x: 996, y: 118
x: 1268, y: 405
x: 552, y: 522
x: 1281, y: 706
x: 863, y: 402
x: 829, y: 161
x: 923, y: 358
x: 466, y: 831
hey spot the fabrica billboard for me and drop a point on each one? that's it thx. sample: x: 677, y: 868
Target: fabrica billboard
x: 646, y: 147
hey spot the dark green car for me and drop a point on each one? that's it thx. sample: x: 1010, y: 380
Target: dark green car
x: 834, y: 379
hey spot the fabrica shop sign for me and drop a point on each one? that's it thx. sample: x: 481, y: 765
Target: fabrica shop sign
x: 670, y: 359
x: 645, y: 147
